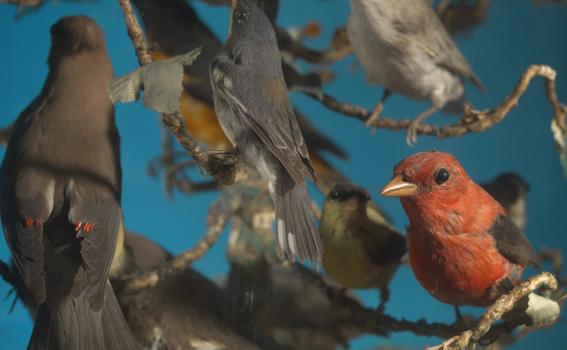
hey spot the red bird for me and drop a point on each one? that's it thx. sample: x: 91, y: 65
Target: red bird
x: 462, y: 247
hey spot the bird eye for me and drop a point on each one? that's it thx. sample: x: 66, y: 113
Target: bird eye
x: 241, y: 16
x: 441, y: 176
x: 334, y: 195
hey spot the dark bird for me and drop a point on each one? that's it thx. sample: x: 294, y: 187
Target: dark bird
x: 60, y: 190
x: 254, y: 110
x: 463, y: 248
x: 361, y: 250
x: 404, y: 47
x: 510, y: 190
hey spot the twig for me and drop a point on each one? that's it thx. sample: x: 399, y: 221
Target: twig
x: 495, y: 312
x: 22, y: 3
x: 472, y: 121
x: 174, y: 164
x: 555, y: 257
x: 219, y: 166
x: 219, y: 213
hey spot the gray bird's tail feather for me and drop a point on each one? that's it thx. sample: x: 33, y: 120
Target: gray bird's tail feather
x: 73, y: 325
x: 296, y: 233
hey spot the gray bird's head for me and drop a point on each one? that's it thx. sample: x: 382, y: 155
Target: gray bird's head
x: 74, y: 34
x: 249, y: 22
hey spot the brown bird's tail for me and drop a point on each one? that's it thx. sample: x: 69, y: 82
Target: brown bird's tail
x: 296, y: 233
x: 72, y: 324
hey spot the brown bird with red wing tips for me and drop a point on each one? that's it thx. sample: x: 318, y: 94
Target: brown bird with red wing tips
x: 60, y: 191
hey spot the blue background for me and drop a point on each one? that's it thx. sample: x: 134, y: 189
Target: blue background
x: 515, y: 35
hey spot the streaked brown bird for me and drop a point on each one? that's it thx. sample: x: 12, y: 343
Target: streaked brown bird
x: 403, y: 46
x: 61, y: 191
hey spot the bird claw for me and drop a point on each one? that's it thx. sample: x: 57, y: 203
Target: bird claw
x: 411, y: 134
x: 374, y: 117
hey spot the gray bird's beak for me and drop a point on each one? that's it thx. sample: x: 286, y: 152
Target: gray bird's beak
x: 399, y: 188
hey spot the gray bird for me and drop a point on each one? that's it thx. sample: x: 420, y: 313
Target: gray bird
x: 60, y: 196
x: 254, y: 110
x: 404, y: 47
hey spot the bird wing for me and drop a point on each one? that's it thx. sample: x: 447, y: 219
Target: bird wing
x: 270, y: 117
x: 97, y: 245
x: 429, y: 32
x: 26, y: 243
x: 512, y: 243
x: 382, y: 245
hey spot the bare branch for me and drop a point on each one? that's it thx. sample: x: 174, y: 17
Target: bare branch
x: 30, y: 3
x: 218, y: 165
x: 495, y: 312
x: 472, y: 121
x: 174, y: 165
x: 555, y: 257
x: 27, y: 6
x: 219, y: 213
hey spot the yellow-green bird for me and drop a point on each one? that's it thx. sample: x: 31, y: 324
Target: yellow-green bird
x: 360, y: 249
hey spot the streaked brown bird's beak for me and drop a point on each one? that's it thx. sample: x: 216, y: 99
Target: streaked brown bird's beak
x: 399, y: 188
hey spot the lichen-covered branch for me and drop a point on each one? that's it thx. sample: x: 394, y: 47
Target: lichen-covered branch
x: 472, y: 121
x: 219, y: 213
x: 495, y: 312
x: 220, y: 166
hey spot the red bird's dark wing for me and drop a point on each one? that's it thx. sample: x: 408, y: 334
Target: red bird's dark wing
x: 512, y: 243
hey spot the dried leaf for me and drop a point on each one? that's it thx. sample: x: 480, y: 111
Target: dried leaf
x: 560, y: 138
x: 534, y: 310
x: 161, y: 82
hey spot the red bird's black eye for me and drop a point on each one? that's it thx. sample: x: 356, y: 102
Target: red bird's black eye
x: 441, y: 176
x: 241, y: 16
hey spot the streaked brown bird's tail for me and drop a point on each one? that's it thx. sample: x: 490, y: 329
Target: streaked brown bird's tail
x: 71, y: 324
x: 296, y: 234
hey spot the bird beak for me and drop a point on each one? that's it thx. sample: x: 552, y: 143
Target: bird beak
x: 234, y: 3
x: 399, y: 188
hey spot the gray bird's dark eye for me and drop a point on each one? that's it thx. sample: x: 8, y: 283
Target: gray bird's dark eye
x: 241, y: 16
x: 441, y: 176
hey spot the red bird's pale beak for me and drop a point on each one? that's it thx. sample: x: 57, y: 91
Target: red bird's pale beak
x: 399, y: 188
